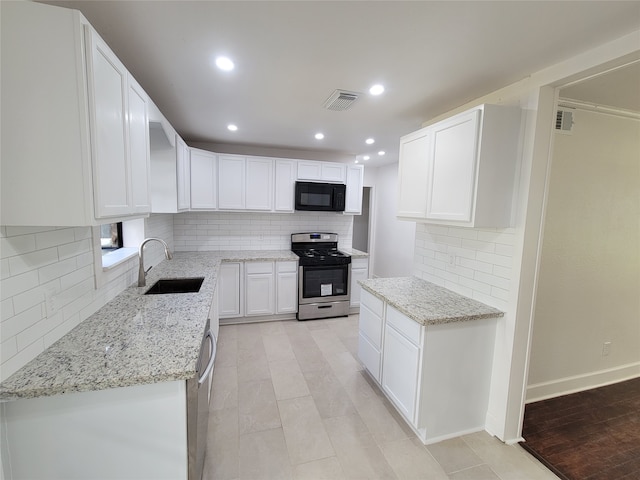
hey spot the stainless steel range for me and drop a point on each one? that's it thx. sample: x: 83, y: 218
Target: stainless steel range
x: 324, y: 276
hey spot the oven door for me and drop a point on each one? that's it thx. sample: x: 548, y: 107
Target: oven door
x: 323, y: 283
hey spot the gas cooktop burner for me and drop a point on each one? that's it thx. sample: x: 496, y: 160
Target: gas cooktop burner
x: 318, y: 249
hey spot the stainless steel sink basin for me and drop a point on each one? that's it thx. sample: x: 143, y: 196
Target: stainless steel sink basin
x: 176, y: 285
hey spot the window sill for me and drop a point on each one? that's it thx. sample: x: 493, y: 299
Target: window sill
x: 115, y: 258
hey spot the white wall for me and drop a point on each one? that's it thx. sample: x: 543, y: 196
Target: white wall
x: 589, y: 286
x: 393, y: 241
x: 254, y: 231
x: 36, y: 259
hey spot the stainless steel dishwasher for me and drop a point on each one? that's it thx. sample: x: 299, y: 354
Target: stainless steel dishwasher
x: 198, y: 396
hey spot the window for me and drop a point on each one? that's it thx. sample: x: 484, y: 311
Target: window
x: 111, y: 237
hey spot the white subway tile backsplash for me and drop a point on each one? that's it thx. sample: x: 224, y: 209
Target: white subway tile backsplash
x: 74, y: 249
x: 20, y: 283
x: 482, y: 260
x: 26, y: 300
x: 8, y: 349
x: 37, y: 331
x: 57, y: 270
x: 19, y: 245
x: 16, y: 324
x: 14, y: 363
x: 33, y: 260
x: 53, y: 238
x: 6, y: 309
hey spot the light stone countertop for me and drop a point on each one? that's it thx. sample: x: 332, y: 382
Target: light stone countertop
x: 151, y: 338
x: 353, y: 252
x: 427, y: 303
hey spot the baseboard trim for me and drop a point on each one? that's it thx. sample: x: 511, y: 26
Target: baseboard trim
x: 579, y: 383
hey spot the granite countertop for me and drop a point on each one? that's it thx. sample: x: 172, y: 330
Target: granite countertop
x: 427, y: 303
x: 353, y: 252
x: 150, y: 338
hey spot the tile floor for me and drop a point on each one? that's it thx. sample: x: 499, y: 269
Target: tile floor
x: 290, y: 401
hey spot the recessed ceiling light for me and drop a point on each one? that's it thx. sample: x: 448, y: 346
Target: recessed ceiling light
x: 381, y: 152
x: 319, y: 136
x: 366, y: 157
x: 376, y: 89
x: 232, y: 127
x: 224, y: 63
x: 357, y: 161
x: 369, y: 141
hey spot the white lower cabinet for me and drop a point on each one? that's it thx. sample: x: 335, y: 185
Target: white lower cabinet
x: 400, y: 366
x: 437, y: 376
x: 287, y: 287
x: 359, y: 271
x: 230, y: 290
x: 136, y: 432
x: 259, y: 288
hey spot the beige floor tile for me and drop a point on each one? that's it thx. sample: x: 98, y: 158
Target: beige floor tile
x: 257, y: 406
x: 272, y: 328
x: 253, y: 367
x: 263, y: 456
x: 224, y: 390
x: 328, y: 342
x: 307, y: 353
x: 481, y: 472
x: 330, y: 396
x: 277, y: 347
x: 454, y: 455
x: 325, y: 469
x: 227, y: 351
x: 221, y: 460
x: 510, y: 462
x: 410, y: 460
x: 288, y: 381
x: 343, y: 364
x: 304, y: 431
x: 384, y: 423
x: 356, y: 449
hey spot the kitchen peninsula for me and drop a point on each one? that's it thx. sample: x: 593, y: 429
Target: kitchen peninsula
x: 431, y: 352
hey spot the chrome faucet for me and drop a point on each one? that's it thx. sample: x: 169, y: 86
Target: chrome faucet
x: 141, y: 271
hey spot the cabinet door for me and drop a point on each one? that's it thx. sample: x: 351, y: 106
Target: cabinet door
x: 357, y: 274
x: 309, y: 170
x: 230, y: 290
x: 204, y: 181
x: 231, y: 182
x: 400, y: 371
x: 139, y: 148
x: 285, y: 183
x: 259, y: 288
x: 413, y: 174
x: 108, y: 109
x: 355, y: 177
x: 259, y: 184
x: 183, y: 175
x: 332, y: 172
x: 451, y: 188
x: 287, y: 287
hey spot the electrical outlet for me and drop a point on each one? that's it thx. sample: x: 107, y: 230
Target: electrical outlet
x: 452, y: 260
x: 606, y: 348
x: 51, y: 302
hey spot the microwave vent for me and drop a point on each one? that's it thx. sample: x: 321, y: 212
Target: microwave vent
x: 341, y: 100
x: 564, y: 121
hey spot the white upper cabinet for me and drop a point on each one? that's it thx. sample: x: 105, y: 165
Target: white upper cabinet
x: 355, y: 178
x: 321, y: 171
x: 245, y: 183
x: 413, y: 174
x: 88, y: 164
x: 183, y: 175
x: 259, y: 184
x: 284, y: 185
x: 461, y: 171
x: 204, y: 180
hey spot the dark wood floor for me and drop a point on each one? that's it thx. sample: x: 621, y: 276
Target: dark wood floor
x: 591, y: 435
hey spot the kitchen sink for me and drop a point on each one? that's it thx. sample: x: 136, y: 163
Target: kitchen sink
x: 176, y: 285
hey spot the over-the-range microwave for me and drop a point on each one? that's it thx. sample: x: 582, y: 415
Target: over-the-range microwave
x: 320, y: 197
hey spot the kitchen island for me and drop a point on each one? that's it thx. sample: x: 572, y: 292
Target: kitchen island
x: 109, y: 398
x: 431, y: 351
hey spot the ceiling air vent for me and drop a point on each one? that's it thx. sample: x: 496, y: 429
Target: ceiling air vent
x: 564, y: 121
x: 341, y: 100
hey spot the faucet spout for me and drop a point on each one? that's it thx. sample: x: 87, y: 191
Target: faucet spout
x: 141, y: 272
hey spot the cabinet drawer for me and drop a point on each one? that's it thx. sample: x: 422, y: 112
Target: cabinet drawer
x: 372, y: 303
x: 287, y: 267
x: 409, y: 328
x: 370, y: 325
x: 369, y: 356
x: 359, y: 263
x: 258, y: 267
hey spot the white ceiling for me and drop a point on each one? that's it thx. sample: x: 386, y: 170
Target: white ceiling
x: 290, y: 56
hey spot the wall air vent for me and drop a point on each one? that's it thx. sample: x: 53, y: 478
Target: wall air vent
x: 341, y: 100
x: 564, y: 121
